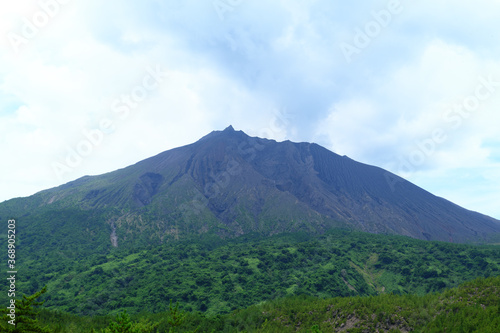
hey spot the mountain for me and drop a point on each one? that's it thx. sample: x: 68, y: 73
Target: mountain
x: 167, y: 228
x: 230, y: 184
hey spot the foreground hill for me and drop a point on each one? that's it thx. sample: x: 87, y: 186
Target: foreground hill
x: 472, y: 307
x: 229, y: 184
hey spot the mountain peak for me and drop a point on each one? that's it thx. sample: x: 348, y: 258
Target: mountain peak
x: 227, y: 131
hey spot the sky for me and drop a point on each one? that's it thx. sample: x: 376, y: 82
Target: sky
x: 88, y: 87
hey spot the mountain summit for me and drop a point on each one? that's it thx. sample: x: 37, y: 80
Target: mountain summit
x: 230, y: 184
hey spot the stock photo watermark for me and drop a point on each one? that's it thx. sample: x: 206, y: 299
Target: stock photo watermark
x: 121, y: 108
x: 248, y: 151
x: 31, y: 27
x: 277, y: 125
x: 224, y: 6
x: 11, y: 271
x: 371, y: 30
x: 454, y: 117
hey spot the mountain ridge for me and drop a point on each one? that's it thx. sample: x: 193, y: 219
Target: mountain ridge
x: 229, y: 183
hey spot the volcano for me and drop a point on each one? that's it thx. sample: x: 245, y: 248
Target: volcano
x: 230, y: 184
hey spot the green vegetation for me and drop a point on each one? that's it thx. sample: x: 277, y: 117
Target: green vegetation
x: 123, y: 324
x: 292, y: 282
x: 216, y: 277
x: 472, y: 307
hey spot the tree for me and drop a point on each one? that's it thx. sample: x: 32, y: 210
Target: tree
x: 176, y: 318
x: 123, y: 324
x: 24, y: 320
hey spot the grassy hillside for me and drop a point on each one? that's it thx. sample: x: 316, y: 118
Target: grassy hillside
x: 216, y: 277
x: 472, y: 307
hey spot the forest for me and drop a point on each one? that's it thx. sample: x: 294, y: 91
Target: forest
x: 217, y: 276
x: 252, y: 283
x: 472, y: 307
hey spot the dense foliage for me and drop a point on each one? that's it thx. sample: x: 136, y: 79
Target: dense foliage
x: 215, y: 276
x: 473, y: 307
